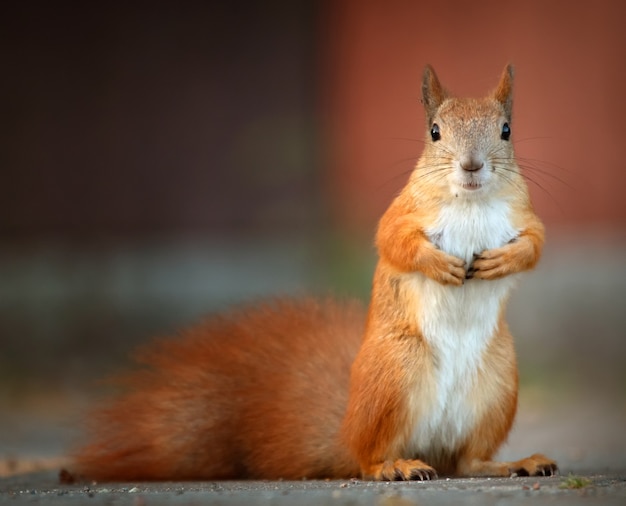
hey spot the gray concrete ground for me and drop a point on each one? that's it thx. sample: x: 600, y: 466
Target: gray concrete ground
x: 605, y: 490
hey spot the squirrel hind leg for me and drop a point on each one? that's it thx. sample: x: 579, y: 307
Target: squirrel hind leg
x: 535, y: 465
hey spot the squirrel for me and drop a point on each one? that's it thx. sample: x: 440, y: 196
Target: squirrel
x: 422, y: 384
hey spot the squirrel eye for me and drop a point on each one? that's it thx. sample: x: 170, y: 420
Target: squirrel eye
x: 434, y: 132
x: 506, y: 132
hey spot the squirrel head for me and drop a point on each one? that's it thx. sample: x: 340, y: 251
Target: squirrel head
x: 468, y: 150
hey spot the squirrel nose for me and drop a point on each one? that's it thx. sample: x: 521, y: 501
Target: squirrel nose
x: 471, y: 164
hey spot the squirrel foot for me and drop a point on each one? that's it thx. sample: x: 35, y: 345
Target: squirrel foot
x: 402, y: 470
x: 535, y: 465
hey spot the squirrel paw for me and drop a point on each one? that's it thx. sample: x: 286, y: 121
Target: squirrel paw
x: 535, y: 465
x: 446, y: 269
x: 403, y: 470
x: 492, y: 264
x: 518, y: 255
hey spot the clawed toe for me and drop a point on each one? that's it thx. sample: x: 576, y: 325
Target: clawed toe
x: 423, y: 474
x: 550, y: 470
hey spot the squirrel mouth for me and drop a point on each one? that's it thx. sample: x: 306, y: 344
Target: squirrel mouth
x: 471, y: 185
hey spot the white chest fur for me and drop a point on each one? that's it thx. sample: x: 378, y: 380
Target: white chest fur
x: 458, y: 323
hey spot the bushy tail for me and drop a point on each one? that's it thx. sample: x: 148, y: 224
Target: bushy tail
x: 256, y: 393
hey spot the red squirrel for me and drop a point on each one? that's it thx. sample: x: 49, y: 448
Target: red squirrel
x: 423, y: 384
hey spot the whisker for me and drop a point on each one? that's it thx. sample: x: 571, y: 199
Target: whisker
x: 545, y: 175
x: 408, y: 139
x: 404, y: 160
x: 394, y: 178
x: 545, y: 162
x: 506, y: 172
x: 528, y: 167
x: 526, y: 139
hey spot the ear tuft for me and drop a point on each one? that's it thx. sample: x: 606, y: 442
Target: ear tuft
x: 504, y: 91
x: 433, y: 93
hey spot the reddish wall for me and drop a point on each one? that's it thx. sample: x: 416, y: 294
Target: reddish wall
x: 569, y: 112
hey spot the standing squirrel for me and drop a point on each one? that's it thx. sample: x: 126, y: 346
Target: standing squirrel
x: 424, y: 384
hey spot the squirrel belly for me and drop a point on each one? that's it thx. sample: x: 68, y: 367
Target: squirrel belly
x: 448, y: 345
x: 459, y: 324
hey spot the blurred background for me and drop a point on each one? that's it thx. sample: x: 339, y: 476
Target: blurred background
x: 161, y: 161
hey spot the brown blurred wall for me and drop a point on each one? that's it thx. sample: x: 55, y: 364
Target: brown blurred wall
x: 570, y: 61
x: 130, y: 120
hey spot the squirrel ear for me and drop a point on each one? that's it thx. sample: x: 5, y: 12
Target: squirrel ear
x: 433, y: 93
x: 504, y: 91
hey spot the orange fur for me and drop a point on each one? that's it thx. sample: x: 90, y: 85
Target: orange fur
x: 257, y: 393
x: 426, y: 384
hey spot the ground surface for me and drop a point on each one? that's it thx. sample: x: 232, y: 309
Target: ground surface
x: 43, y: 488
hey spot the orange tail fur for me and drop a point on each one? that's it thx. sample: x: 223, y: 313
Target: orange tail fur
x: 258, y: 393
